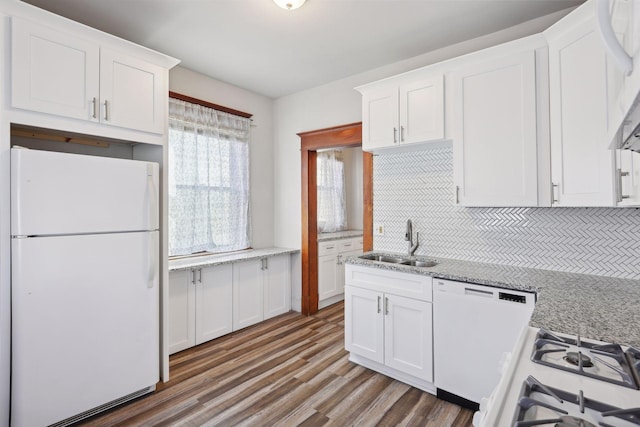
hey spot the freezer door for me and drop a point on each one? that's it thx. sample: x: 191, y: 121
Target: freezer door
x: 85, y: 323
x: 60, y: 193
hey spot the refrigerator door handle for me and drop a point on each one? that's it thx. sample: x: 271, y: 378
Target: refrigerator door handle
x: 153, y: 198
x: 153, y: 259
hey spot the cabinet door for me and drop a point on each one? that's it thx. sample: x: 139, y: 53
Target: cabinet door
x: 133, y: 92
x: 495, y: 141
x: 213, y: 312
x: 53, y: 72
x: 327, y: 270
x: 582, y: 166
x: 364, y: 323
x: 380, y: 118
x: 340, y: 269
x: 181, y: 310
x: 248, y: 291
x: 277, y: 286
x: 422, y: 110
x: 629, y: 178
x: 408, y: 336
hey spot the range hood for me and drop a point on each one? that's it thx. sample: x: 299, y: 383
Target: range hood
x: 629, y: 136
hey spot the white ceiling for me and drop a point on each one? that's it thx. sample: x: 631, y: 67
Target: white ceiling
x: 256, y: 45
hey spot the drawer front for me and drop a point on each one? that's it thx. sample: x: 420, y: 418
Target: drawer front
x: 350, y: 245
x: 328, y: 248
x: 408, y: 285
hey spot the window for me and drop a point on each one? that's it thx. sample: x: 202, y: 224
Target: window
x: 332, y: 206
x: 208, y: 180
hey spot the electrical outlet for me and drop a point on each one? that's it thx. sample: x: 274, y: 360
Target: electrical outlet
x: 378, y: 229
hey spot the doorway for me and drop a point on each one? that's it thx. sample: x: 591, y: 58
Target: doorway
x: 310, y: 142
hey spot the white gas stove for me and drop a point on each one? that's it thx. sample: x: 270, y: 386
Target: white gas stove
x: 562, y: 380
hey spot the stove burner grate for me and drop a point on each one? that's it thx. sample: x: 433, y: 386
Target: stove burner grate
x: 579, y: 402
x: 623, y: 364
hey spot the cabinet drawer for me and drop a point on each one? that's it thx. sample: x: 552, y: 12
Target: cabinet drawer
x: 349, y: 245
x: 328, y: 248
x: 408, y: 285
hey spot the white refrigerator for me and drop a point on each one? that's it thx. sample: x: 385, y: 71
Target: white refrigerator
x: 84, y: 284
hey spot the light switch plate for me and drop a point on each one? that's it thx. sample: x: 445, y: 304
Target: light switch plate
x: 378, y: 229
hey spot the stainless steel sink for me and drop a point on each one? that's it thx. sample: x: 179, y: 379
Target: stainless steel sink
x: 419, y: 263
x: 399, y: 260
x: 383, y: 258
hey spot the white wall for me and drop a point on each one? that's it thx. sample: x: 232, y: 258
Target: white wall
x: 337, y: 103
x: 187, y: 82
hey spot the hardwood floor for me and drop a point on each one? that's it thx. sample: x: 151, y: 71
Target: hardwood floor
x: 288, y: 371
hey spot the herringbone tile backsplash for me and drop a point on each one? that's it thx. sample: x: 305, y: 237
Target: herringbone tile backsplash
x: 419, y: 185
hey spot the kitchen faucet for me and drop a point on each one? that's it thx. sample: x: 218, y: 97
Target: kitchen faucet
x: 409, y: 237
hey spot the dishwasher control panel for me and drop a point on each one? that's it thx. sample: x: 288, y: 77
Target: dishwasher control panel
x: 512, y: 297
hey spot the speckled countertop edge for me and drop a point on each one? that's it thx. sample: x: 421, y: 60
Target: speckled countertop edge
x: 240, y: 256
x: 338, y: 235
x: 597, y: 307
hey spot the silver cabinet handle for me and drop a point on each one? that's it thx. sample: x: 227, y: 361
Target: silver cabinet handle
x: 457, y: 194
x: 262, y: 264
x: 553, y: 193
x: 193, y: 277
x: 266, y: 263
x: 329, y: 247
x: 379, y: 298
x: 106, y: 110
x: 386, y: 305
x: 395, y: 135
x: 199, y: 275
x: 621, y: 196
x: 401, y: 133
x: 94, y: 104
x: 339, y: 260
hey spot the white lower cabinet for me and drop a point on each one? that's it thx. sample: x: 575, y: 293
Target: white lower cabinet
x: 261, y: 289
x: 199, y: 306
x: 277, y: 286
x: 331, y: 256
x: 209, y: 302
x: 388, y: 323
x: 248, y: 308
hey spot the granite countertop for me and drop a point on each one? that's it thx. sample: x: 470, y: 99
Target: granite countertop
x: 597, y: 307
x: 227, y: 258
x: 325, y: 237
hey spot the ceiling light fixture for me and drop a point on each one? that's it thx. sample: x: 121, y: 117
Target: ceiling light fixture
x: 289, y: 4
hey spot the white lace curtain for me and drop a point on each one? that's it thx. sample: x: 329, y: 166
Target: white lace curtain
x: 332, y: 203
x: 208, y: 180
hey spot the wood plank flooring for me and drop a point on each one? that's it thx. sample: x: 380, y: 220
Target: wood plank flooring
x: 288, y: 371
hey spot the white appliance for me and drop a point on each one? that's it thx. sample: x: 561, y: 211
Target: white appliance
x: 84, y: 283
x: 473, y: 326
x: 553, y: 378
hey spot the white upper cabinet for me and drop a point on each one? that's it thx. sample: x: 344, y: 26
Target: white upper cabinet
x: 400, y: 113
x: 494, y: 131
x: 53, y: 72
x: 60, y: 73
x: 628, y: 172
x: 582, y: 165
x: 131, y: 92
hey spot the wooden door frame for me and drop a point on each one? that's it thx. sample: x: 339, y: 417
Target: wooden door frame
x: 310, y: 142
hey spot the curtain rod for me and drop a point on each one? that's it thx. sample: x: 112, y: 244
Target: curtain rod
x: 209, y: 104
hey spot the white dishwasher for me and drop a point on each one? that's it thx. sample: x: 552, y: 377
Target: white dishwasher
x: 474, y: 325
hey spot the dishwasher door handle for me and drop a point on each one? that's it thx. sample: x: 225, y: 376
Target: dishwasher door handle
x: 478, y: 293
